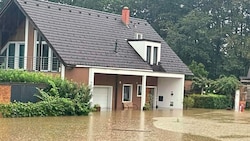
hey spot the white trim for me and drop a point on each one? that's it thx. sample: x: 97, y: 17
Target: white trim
x: 34, y: 50
x: 137, y: 73
x: 113, y: 68
x: 111, y: 93
x: 91, y: 83
x: 143, y: 91
x: 62, y: 71
x: 138, y: 85
x: 16, y: 54
x: 131, y: 92
x: 50, y: 55
x: 26, y: 43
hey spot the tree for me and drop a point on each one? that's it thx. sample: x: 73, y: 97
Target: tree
x: 200, y: 80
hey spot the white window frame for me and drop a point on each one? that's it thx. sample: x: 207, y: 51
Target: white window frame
x: 50, y: 55
x: 152, y: 55
x: 131, y: 92
x: 137, y: 35
x: 17, y: 52
x: 137, y: 90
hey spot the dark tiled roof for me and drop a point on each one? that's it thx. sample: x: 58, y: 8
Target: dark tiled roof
x: 83, y: 36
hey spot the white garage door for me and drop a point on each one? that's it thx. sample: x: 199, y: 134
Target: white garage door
x: 102, y: 96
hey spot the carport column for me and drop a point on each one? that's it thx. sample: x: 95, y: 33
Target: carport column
x: 91, y: 83
x: 143, y: 91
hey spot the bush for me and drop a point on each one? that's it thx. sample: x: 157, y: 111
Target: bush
x: 55, y: 107
x: 188, y: 102
x: 210, y: 101
x: 26, y: 77
x: 61, y: 97
x: 146, y: 107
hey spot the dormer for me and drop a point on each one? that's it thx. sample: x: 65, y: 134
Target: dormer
x: 149, y: 50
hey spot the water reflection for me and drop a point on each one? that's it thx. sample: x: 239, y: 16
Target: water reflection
x: 129, y: 125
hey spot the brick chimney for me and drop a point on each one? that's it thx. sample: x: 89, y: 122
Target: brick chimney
x: 125, y: 15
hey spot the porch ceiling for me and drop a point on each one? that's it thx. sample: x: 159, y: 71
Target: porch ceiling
x: 136, y: 73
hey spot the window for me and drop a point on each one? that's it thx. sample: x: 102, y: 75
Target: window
x: 138, y: 36
x: 138, y: 90
x: 127, y: 93
x: 13, y: 55
x: 152, y: 57
x: 155, y: 61
x: 148, y: 54
x: 48, y: 59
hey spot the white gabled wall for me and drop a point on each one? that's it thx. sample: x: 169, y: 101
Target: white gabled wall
x: 166, y: 86
x: 141, y: 48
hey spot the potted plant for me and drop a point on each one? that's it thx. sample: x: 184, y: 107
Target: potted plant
x: 97, y: 107
x: 146, y: 107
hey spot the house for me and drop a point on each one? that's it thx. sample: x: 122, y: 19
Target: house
x: 121, y: 58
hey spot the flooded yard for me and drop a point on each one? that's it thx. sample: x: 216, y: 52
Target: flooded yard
x: 165, y: 124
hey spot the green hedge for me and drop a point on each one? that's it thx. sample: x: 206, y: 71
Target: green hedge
x: 26, y: 77
x: 61, y: 97
x: 210, y: 101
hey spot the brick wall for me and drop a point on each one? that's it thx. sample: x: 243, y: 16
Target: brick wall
x: 5, y: 93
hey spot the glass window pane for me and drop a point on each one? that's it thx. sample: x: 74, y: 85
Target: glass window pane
x: 139, y: 90
x: 11, y: 58
x: 148, y: 54
x: 3, y: 60
x: 126, y: 93
x: 155, y: 55
x: 45, y: 57
x: 55, y: 63
x: 21, y: 56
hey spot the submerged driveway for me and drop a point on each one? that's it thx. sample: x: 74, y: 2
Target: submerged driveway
x: 158, y: 125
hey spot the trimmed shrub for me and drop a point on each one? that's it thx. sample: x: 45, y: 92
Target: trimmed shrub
x: 55, y: 107
x: 210, y: 101
x: 61, y: 97
x: 188, y: 102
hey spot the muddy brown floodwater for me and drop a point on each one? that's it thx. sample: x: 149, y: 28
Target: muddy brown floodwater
x: 132, y: 125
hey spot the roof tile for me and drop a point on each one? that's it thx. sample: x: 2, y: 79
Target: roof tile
x: 87, y: 37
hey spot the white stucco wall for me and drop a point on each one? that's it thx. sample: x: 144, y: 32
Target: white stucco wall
x: 166, y: 86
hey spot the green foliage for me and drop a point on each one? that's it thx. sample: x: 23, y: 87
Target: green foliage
x: 210, y: 101
x: 53, y: 107
x: 198, y: 69
x: 26, y: 77
x: 226, y: 85
x: 146, y: 107
x: 188, y: 102
x: 61, y: 97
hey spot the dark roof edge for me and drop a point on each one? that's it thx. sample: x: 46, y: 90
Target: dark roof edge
x: 6, y: 5
x: 39, y: 31
x: 144, y: 40
x: 189, y: 74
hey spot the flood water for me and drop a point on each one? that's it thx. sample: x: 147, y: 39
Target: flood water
x: 157, y: 125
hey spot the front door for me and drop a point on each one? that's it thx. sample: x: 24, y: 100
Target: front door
x: 150, y: 94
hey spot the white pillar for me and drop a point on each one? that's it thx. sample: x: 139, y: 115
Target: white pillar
x: 62, y: 71
x: 143, y: 91
x: 91, y: 83
x: 26, y: 43
x: 237, y: 100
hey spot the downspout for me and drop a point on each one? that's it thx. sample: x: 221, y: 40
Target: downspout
x: 116, y: 90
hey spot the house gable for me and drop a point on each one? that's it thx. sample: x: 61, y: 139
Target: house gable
x: 92, y: 38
